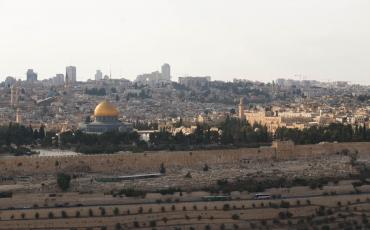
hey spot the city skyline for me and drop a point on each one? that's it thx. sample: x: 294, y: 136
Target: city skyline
x: 243, y: 39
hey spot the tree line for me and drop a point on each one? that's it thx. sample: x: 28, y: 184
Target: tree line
x: 20, y: 135
x: 231, y: 133
x: 316, y: 134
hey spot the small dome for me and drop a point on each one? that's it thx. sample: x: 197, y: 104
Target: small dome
x: 105, y: 109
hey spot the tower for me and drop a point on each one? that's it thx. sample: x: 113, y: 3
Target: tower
x: 166, y: 72
x: 14, y: 95
x: 18, y: 117
x: 31, y: 76
x: 241, y: 109
x: 71, y: 74
x: 98, y: 75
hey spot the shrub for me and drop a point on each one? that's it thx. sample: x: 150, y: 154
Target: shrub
x: 116, y: 211
x: 152, y: 223
x: 162, y: 169
x: 284, y: 204
x: 226, y: 207
x: 63, y: 181
x: 51, y: 215
x: 118, y: 226
x: 102, y: 211
x: 131, y: 192
x: 235, y: 217
x: 64, y: 214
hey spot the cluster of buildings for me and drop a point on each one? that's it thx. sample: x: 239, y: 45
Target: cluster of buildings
x: 301, y: 116
x: 193, y: 82
x: 63, y: 103
x: 156, y: 77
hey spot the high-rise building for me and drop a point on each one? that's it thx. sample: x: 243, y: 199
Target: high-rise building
x: 166, y: 72
x: 9, y: 81
x: 58, y: 79
x: 98, y: 75
x: 156, y: 77
x: 31, y: 75
x: 70, y: 74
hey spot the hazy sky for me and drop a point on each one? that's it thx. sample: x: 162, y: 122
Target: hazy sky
x: 226, y: 39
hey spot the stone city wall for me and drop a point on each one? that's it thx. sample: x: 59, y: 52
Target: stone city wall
x: 149, y: 162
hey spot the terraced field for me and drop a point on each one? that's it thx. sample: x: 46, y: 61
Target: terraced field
x: 348, y: 211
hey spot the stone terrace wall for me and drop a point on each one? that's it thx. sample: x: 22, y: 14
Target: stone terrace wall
x: 130, y: 163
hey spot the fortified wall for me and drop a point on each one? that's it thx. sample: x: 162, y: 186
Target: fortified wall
x: 149, y: 162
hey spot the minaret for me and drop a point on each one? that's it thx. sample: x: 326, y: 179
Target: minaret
x: 241, y: 109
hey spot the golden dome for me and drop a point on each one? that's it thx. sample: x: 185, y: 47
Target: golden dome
x: 105, y: 109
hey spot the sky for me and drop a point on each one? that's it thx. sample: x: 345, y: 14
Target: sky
x: 262, y: 40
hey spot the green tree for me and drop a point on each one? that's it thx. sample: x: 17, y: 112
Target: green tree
x: 63, y: 181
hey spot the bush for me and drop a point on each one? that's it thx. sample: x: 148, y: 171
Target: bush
x: 64, y: 214
x: 235, y: 217
x: 102, y: 211
x: 162, y: 169
x: 170, y: 191
x: 152, y: 223
x: 63, y: 181
x: 131, y: 192
x: 226, y: 207
x: 284, y: 215
x: 284, y: 204
x: 118, y: 226
x: 51, y: 215
x: 116, y: 211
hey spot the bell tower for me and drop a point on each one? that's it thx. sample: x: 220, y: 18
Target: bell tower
x: 241, y: 109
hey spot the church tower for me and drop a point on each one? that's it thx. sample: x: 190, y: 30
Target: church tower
x: 241, y: 109
x: 18, y: 117
x: 14, y: 95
